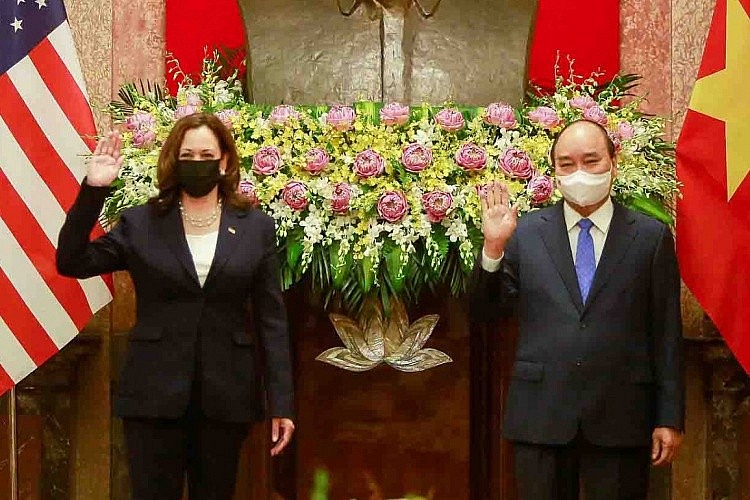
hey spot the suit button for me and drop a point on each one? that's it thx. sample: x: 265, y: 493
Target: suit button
x: 583, y: 326
x: 578, y: 363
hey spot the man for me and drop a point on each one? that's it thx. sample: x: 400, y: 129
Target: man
x: 597, y: 379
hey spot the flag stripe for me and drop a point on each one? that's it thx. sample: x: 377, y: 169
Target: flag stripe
x: 34, y: 143
x: 65, y: 91
x: 56, y: 127
x: 36, y: 195
x: 62, y: 40
x: 42, y: 302
x: 19, y: 318
x: 6, y: 383
x: 31, y: 237
x: 14, y: 360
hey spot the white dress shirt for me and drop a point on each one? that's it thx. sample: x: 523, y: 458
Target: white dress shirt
x: 202, y: 248
x: 601, y: 217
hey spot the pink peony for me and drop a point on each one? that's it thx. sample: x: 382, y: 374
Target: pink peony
x: 140, y: 120
x: 247, y: 189
x: 517, y: 163
x: 471, y: 157
x: 394, y: 113
x: 596, y: 114
x: 540, y: 188
x: 392, y: 206
x: 436, y: 204
x: 450, y: 120
x: 368, y: 163
x: 341, y: 117
x: 342, y: 195
x: 143, y: 138
x: 625, y: 130
x: 295, y: 195
x: 227, y: 117
x: 267, y: 161
x: 416, y: 157
x: 280, y: 115
x: 316, y: 160
x: 545, y: 116
x: 582, y: 102
x: 500, y: 114
x: 187, y: 110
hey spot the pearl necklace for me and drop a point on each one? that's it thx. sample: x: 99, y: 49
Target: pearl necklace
x: 201, y: 221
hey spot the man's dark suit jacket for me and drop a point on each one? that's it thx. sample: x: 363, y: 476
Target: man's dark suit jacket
x: 181, y: 326
x: 612, y: 367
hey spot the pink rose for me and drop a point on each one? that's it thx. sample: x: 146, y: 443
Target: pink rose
x: 500, y: 114
x: 615, y: 138
x: 471, y: 157
x: 416, y: 157
x: 341, y: 117
x: 546, y: 117
x: 187, y: 110
x: 227, y: 117
x: 267, y: 161
x: 625, y: 130
x: 342, y: 195
x: 368, y: 163
x: 316, y: 160
x: 295, y: 195
x: 143, y: 138
x: 392, y: 206
x: 516, y: 163
x: 540, y: 188
x: 436, y: 204
x: 140, y: 120
x: 582, y: 102
x: 194, y: 99
x: 247, y: 189
x: 280, y: 115
x: 450, y: 120
x: 394, y: 113
x: 596, y: 114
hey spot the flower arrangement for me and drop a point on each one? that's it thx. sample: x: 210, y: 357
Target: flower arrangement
x: 385, y: 199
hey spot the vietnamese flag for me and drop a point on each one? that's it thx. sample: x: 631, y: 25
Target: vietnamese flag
x: 713, y: 161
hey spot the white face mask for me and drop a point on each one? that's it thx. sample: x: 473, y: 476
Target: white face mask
x: 585, y: 189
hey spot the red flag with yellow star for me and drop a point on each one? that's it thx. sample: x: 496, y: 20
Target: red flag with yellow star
x: 713, y: 161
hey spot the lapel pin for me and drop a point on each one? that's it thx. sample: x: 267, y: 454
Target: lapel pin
x: 231, y: 230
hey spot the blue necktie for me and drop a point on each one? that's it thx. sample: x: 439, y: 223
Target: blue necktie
x: 585, y: 260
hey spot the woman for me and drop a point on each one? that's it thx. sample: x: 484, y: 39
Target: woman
x: 198, y: 256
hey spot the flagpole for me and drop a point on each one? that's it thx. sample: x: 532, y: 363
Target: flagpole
x: 13, y: 435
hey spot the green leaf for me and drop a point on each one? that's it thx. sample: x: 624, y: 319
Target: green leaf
x: 339, y: 267
x: 393, y: 265
x: 368, y: 111
x: 652, y: 208
x: 367, y: 274
x: 293, y: 252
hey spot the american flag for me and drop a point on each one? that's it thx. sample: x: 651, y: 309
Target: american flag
x: 46, y: 129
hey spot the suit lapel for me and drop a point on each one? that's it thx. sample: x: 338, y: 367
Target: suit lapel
x: 174, y: 236
x: 229, y: 234
x: 622, y: 232
x: 555, y: 236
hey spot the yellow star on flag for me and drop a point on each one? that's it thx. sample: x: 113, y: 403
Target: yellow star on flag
x: 724, y: 95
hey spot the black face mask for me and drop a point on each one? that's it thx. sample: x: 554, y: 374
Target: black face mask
x: 197, y: 177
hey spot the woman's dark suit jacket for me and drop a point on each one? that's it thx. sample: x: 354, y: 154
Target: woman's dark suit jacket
x: 185, y: 333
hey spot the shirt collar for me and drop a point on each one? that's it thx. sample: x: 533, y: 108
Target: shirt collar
x: 601, y: 217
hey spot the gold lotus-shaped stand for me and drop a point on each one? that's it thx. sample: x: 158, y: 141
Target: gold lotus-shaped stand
x: 373, y: 339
